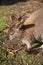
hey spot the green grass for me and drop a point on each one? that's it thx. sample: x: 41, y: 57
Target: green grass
x: 10, y: 56
x: 2, y: 22
x: 21, y: 58
x: 26, y: 59
x: 4, y: 11
x: 2, y: 26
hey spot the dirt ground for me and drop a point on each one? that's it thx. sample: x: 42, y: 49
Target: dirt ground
x: 24, y: 9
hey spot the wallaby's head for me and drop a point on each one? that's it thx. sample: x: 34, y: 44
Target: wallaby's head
x: 14, y: 30
x: 17, y: 25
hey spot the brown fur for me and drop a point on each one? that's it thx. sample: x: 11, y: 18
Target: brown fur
x: 30, y: 29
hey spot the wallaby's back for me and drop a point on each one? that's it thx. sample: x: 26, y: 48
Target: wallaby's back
x: 33, y: 32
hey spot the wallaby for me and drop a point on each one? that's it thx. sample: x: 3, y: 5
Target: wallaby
x: 30, y: 30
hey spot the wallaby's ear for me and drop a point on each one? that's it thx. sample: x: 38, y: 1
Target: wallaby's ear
x: 20, y: 22
x: 29, y: 20
x: 19, y: 25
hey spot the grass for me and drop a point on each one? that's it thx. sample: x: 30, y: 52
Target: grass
x: 2, y: 22
x: 26, y: 59
x: 5, y: 11
x: 21, y: 58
